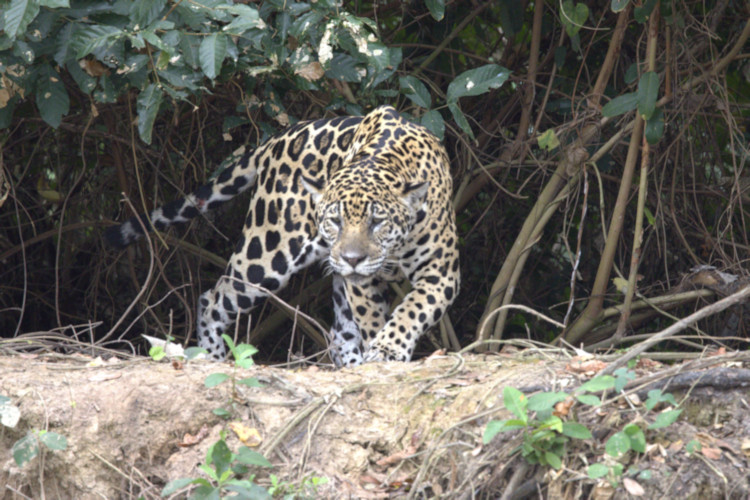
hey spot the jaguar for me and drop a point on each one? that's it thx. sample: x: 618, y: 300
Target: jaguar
x: 370, y: 197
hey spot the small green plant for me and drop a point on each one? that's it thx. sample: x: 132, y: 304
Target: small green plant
x: 243, y: 359
x: 546, y: 434
x: 25, y: 449
x: 223, y: 469
x: 308, y: 489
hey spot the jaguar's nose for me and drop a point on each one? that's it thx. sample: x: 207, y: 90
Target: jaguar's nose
x: 353, y: 258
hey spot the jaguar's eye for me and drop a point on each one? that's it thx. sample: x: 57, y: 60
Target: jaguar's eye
x: 376, y: 222
x: 336, y: 221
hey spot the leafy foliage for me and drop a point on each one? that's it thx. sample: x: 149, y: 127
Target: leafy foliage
x: 546, y: 434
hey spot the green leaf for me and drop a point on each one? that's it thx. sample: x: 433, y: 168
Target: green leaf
x: 623, y: 376
x: 220, y: 456
x: 192, y: 352
x: 144, y: 12
x: 415, y: 90
x: 53, y: 440
x: 436, y: 8
x: 599, y: 383
x: 548, y: 140
x: 249, y: 457
x: 221, y: 412
x: 496, y: 426
x: 620, y: 104
x: 25, y: 449
x: 250, y: 382
x: 215, y: 379
x: 18, y: 15
x: 460, y: 119
x: 229, y: 342
x: 212, y: 52
x: 553, y: 423
x: 477, y: 81
x: 94, y: 37
x: 54, y: 4
x: 176, y: 485
x: 573, y: 17
x: 433, y: 121
x: 649, y: 216
x: 51, y: 96
x: 553, y: 460
x: 343, y: 67
x: 589, y: 399
x: 576, y: 430
x: 617, y: 445
x: 648, y: 91
x: 619, y: 5
x: 655, y: 127
x: 147, y: 107
x: 595, y: 471
x: 515, y: 401
x: 665, y: 419
x: 693, y: 446
x: 637, y: 438
x: 545, y: 400
x: 631, y: 74
x: 157, y: 352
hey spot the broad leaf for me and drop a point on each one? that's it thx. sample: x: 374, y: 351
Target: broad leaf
x: 51, y: 97
x: 648, y: 91
x: 637, y: 438
x: 619, y: 5
x: 665, y: 419
x: 147, y: 106
x: 620, y: 104
x: 595, y: 471
x: 212, y: 52
x: 53, y: 440
x: 436, y: 8
x: 415, y: 91
x: 175, y: 485
x: 599, y: 383
x: 515, y: 401
x: 545, y: 400
x: 249, y: 457
x: 477, y: 81
x: 553, y: 460
x: 617, y: 445
x: 573, y: 16
x: 25, y: 449
x: 576, y: 430
x: 655, y: 127
x: 460, y: 119
x: 215, y: 379
x: 433, y: 121
x: 18, y: 15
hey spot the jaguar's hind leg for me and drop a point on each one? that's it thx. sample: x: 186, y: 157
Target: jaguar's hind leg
x: 245, y: 284
x: 218, y: 309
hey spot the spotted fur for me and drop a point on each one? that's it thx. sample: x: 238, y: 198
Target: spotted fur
x: 369, y: 195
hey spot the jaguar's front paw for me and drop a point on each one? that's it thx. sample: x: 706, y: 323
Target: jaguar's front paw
x: 377, y: 351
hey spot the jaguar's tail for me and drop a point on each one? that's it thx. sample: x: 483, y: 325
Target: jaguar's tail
x: 235, y: 179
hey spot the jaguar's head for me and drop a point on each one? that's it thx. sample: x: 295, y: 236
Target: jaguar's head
x: 365, y: 221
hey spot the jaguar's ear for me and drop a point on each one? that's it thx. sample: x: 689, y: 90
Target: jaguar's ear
x: 314, y: 187
x: 415, y: 193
